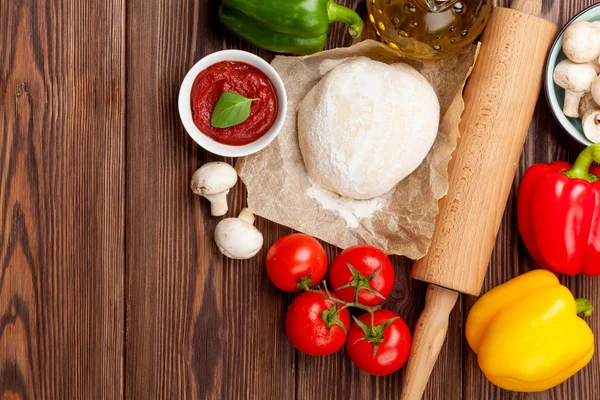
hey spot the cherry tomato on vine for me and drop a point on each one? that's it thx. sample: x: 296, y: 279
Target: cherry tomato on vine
x: 294, y: 259
x: 383, y: 349
x: 364, y: 269
x: 316, y: 325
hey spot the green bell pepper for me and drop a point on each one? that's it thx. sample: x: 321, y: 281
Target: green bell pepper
x: 263, y: 37
x: 287, y: 26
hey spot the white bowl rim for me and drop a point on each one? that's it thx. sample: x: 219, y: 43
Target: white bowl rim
x: 549, y: 81
x: 185, y: 110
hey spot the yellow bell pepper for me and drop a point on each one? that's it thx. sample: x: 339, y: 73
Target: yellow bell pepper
x: 527, y: 333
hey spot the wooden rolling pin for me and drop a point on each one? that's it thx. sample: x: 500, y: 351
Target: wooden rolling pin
x: 500, y: 99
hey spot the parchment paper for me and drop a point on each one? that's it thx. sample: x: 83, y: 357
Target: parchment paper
x: 278, y: 183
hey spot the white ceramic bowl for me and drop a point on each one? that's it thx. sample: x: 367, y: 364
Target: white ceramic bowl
x: 185, y: 109
x: 555, y: 94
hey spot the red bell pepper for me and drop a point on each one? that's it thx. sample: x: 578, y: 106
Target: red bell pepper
x: 559, y: 214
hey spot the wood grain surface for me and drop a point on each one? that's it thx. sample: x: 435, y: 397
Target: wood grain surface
x: 62, y: 192
x: 110, y: 284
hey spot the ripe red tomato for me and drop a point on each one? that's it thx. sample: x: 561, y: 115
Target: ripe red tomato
x: 383, y: 351
x: 296, y: 257
x: 316, y: 325
x: 363, y: 268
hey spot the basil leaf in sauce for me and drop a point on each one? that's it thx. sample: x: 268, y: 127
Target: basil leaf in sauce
x: 231, y: 109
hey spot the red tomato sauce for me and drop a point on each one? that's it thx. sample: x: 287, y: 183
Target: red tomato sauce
x: 241, y: 78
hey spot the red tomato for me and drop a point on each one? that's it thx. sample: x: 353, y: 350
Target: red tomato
x: 383, y: 351
x: 315, y: 325
x: 363, y: 268
x: 296, y: 257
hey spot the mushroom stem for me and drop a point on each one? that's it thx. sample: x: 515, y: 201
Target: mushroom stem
x: 218, y: 204
x: 587, y: 103
x: 595, y: 90
x: 247, y: 215
x: 571, y: 106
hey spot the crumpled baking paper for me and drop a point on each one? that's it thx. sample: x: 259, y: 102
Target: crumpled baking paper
x: 399, y: 222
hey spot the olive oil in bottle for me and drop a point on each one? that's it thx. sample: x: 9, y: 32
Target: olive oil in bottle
x: 429, y: 29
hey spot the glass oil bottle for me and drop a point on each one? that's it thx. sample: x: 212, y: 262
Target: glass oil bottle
x: 429, y: 29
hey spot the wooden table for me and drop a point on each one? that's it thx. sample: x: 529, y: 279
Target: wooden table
x: 110, y: 284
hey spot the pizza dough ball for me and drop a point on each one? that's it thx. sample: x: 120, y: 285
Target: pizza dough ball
x: 366, y: 126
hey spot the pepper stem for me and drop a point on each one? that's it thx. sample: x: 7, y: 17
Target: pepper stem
x: 581, y: 168
x: 347, y: 16
x: 584, y: 307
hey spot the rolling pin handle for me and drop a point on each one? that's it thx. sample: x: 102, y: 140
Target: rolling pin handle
x: 428, y: 339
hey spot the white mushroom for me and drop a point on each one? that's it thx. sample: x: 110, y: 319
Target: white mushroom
x: 213, y: 181
x: 595, y: 90
x: 591, y: 125
x: 576, y: 79
x: 237, y: 238
x: 595, y: 65
x: 587, y: 103
x: 581, y: 41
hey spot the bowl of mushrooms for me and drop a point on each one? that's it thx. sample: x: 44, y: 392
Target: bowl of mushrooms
x: 572, y: 76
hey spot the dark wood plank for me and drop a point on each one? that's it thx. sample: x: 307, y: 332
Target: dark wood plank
x: 61, y: 199
x: 546, y: 142
x: 199, y: 325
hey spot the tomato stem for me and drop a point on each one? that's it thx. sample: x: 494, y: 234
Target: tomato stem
x: 355, y: 304
x: 372, y: 324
